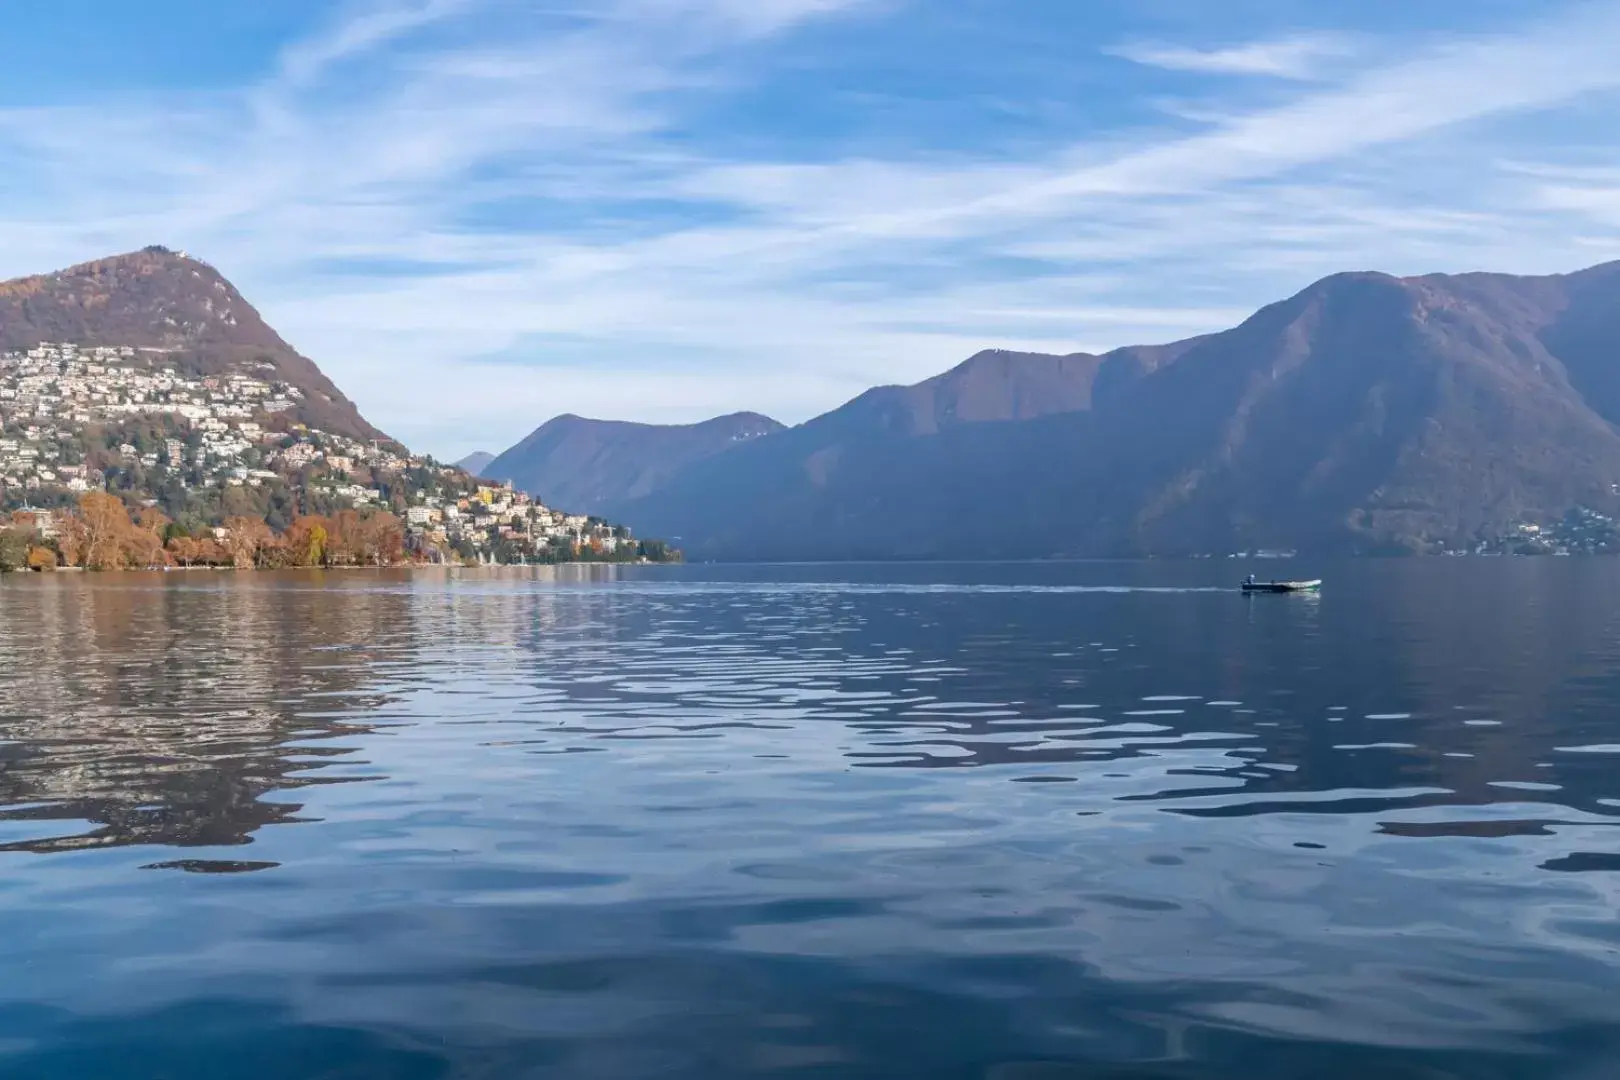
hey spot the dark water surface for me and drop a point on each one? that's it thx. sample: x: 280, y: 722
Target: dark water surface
x: 1017, y: 823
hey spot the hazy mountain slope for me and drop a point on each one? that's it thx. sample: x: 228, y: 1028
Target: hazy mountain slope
x: 594, y: 465
x: 476, y: 462
x: 993, y: 385
x: 1367, y: 412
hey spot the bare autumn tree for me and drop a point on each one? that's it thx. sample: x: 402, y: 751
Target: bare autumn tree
x: 382, y: 539
x: 244, y: 537
x: 274, y: 553
x: 346, y: 539
x: 71, y: 538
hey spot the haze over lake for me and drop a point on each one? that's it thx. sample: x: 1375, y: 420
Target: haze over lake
x: 1021, y: 822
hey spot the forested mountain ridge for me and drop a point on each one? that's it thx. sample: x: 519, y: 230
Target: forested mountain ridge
x: 1366, y: 413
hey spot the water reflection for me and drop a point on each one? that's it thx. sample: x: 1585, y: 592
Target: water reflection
x: 143, y: 714
x: 725, y: 823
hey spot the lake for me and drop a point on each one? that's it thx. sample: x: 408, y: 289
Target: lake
x: 1031, y: 822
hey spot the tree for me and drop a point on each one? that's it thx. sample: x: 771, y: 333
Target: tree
x: 657, y: 551
x: 144, y: 544
x: 184, y: 549
x: 71, y: 539
x: 210, y: 553
x: 141, y: 548
x: 13, y: 550
x: 244, y: 537
x: 41, y: 558
x: 153, y: 520
x: 274, y: 552
x: 346, y: 539
x: 106, y: 529
x: 383, y: 539
x: 306, y: 541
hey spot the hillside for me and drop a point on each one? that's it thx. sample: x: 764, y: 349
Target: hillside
x: 177, y: 306
x: 595, y: 465
x: 1366, y: 413
x: 993, y: 385
x: 475, y: 463
x: 146, y: 405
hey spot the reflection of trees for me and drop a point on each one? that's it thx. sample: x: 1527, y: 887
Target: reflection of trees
x: 165, y: 710
x: 162, y: 711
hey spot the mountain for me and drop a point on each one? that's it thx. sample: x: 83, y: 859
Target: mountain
x: 164, y: 302
x: 595, y: 465
x: 475, y: 463
x: 147, y: 377
x: 993, y: 385
x: 604, y: 465
x: 1366, y: 413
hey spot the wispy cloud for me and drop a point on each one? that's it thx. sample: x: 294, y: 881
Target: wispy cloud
x: 1303, y: 57
x: 475, y: 213
x: 365, y: 30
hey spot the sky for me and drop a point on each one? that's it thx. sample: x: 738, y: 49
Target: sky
x: 478, y: 214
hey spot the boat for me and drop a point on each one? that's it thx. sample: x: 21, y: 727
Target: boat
x: 1281, y: 586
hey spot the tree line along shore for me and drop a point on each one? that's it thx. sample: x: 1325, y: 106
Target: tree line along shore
x: 103, y: 533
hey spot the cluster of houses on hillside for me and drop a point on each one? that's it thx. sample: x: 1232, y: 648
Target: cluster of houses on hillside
x: 225, y: 431
x: 49, y: 394
x: 497, y: 522
x: 1582, y: 531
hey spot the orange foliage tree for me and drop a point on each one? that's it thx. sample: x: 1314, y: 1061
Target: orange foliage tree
x: 306, y: 541
x: 106, y: 530
x: 143, y: 546
x: 185, y: 550
x: 101, y: 536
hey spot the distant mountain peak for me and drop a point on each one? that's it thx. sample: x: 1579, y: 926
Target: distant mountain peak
x: 597, y: 464
x: 991, y: 385
x: 476, y: 462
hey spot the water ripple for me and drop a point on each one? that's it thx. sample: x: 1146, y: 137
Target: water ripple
x: 617, y: 823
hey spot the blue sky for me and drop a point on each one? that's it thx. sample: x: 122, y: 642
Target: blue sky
x: 475, y: 214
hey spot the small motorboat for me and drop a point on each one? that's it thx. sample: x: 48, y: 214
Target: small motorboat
x: 1281, y: 586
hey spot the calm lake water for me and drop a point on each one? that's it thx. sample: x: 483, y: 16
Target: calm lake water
x: 1002, y: 822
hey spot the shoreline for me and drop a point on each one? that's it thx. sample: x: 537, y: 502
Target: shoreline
x: 319, y: 569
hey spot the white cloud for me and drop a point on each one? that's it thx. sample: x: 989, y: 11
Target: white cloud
x: 543, y: 177
x: 1303, y: 57
x: 364, y: 31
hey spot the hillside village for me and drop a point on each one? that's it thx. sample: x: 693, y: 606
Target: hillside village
x: 204, y: 449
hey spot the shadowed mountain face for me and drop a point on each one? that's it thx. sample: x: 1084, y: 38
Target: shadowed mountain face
x: 594, y: 465
x: 1366, y: 413
x: 159, y: 300
x: 475, y: 463
x: 994, y: 385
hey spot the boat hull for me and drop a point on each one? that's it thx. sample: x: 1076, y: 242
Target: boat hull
x: 1281, y: 586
